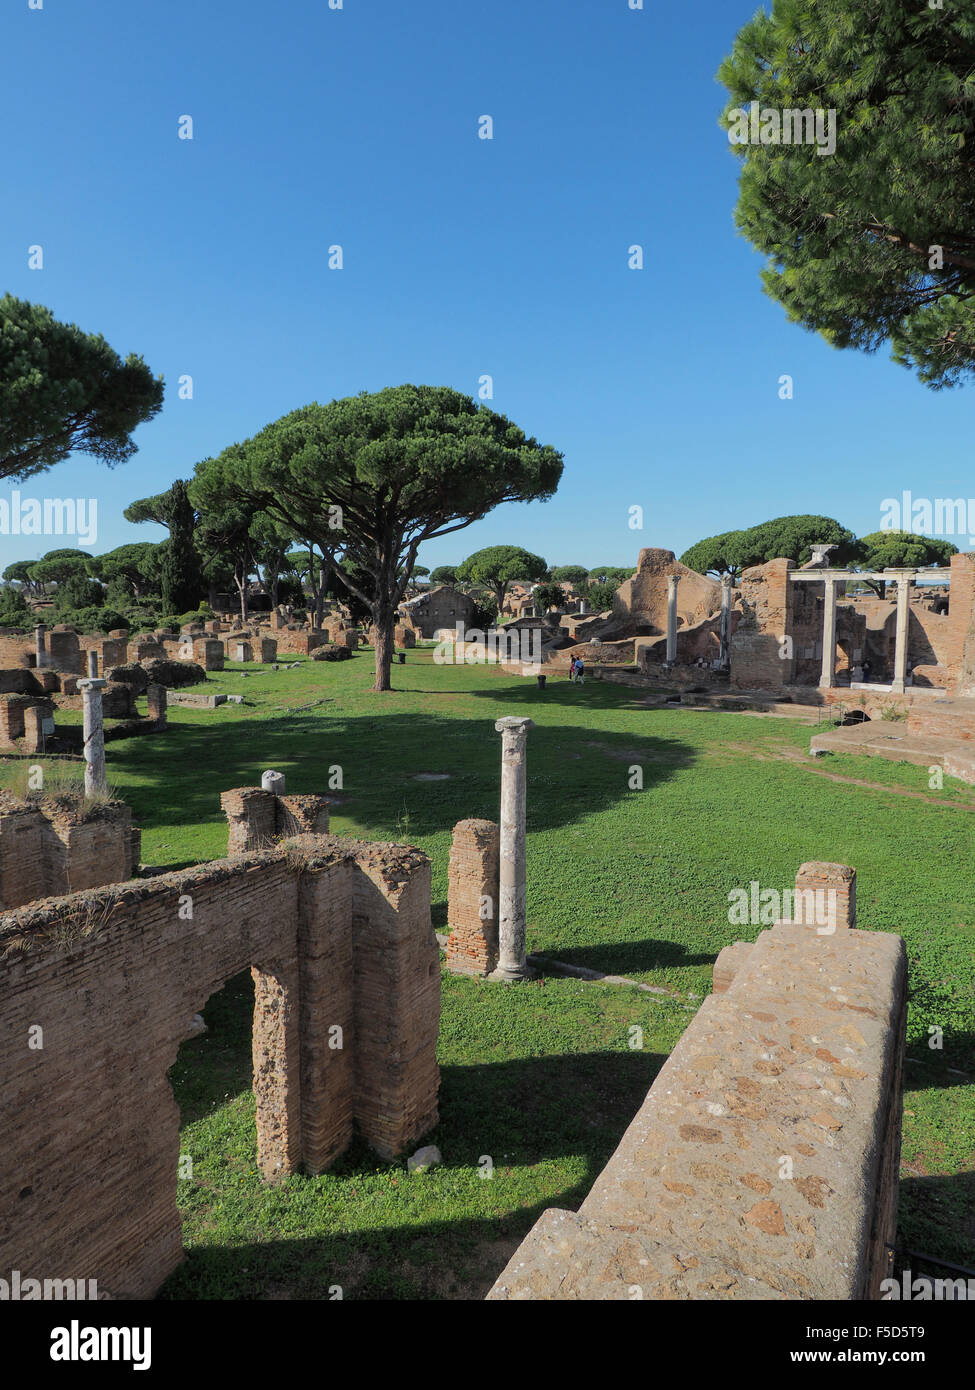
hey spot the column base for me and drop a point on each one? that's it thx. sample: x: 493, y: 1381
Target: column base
x: 511, y: 974
x: 897, y: 687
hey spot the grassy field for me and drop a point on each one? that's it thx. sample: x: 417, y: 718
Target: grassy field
x: 540, y: 1078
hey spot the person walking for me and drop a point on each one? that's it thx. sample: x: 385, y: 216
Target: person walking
x: 572, y: 668
x: 580, y: 671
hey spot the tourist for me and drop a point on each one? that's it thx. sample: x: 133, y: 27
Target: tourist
x: 580, y: 671
x: 572, y: 668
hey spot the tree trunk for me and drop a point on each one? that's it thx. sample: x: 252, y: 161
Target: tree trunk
x: 323, y: 578
x: 383, y: 618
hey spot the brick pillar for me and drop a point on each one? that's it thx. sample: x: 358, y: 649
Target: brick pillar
x: 472, y: 898
x: 397, y: 998
x: 251, y: 814
x: 156, y: 703
x: 276, y: 1051
x: 960, y: 644
x: 826, y: 897
x: 34, y: 729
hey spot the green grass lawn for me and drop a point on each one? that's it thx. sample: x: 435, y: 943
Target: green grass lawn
x: 540, y: 1078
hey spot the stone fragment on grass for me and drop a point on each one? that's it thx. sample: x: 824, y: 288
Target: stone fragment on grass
x: 423, y: 1159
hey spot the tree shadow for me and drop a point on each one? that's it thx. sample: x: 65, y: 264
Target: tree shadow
x: 936, y: 1216
x: 383, y: 761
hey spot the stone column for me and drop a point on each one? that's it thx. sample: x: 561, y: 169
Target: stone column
x: 40, y: 645
x: 92, y: 665
x: 903, y: 579
x: 827, y: 677
x: 725, y: 629
x: 512, y: 964
x: 672, y: 582
x: 94, y: 734
x: 583, y: 607
x: 273, y: 782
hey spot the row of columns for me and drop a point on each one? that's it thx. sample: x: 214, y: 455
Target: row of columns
x: 902, y: 578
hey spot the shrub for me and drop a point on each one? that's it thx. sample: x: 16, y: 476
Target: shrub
x: 92, y: 620
x: 331, y: 652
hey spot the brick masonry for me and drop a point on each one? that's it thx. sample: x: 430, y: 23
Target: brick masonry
x: 472, y: 898
x: 337, y: 935
x: 62, y: 845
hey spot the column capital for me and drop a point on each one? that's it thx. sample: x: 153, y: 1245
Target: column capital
x: 726, y: 581
x: 514, y: 724
x: 92, y: 683
x: 673, y: 580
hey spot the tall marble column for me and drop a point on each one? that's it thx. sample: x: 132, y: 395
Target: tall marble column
x: 40, y: 645
x: 724, y: 635
x: 512, y: 963
x: 94, y: 735
x: 827, y: 676
x: 92, y: 664
x: 672, y: 582
x: 903, y: 579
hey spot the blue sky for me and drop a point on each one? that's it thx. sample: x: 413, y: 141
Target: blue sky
x: 462, y: 257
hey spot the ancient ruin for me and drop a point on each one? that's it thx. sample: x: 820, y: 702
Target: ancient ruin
x: 99, y: 987
x: 764, y: 1162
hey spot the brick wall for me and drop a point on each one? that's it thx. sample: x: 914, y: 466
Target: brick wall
x: 766, y: 599
x: 800, y: 1059
x: 959, y: 647
x: 336, y: 933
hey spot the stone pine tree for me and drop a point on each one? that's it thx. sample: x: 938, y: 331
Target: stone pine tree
x: 900, y: 550
x: 873, y: 243
x: 371, y: 478
x: 63, y: 390
x: 497, y: 566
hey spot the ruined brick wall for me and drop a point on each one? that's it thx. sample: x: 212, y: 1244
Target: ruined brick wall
x: 756, y: 654
x: 256, y: 818
x: 800, y: 1058
x: 441, y: 607
x: 63, y: 845
x: 16, y: 648
x: 959, y: 648
x: 643, y: 598
x: 89, y: 1165
x: 17, y: 729
x: 472, y: 897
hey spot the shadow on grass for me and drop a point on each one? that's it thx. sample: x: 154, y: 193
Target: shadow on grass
x: 629, y: 957
x: 936, y: 1216
x: 182, y: 774
x: 521, y: 1112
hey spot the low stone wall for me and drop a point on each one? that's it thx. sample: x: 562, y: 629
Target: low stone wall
x: 764, y: 1161
x: 98, y: 991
